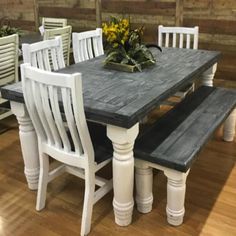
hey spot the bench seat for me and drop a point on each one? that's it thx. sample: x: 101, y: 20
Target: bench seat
x: 173, y: 142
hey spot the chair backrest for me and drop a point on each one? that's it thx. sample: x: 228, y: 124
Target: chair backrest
x: 47, y: 95
x: 52, y: 23
x: 46, y: 55
x: 65, y: 33
x: 9, y: 47
x: 178, y: 36
x: 87, y: 45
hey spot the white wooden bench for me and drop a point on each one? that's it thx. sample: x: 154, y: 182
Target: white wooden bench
x: 173, y: 143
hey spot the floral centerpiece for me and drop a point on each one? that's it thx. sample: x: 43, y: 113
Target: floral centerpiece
x: 123, y: 46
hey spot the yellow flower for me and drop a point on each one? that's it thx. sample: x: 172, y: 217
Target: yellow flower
x: 115, y: 45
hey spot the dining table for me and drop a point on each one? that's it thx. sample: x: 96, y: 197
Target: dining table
x: 119, y: 100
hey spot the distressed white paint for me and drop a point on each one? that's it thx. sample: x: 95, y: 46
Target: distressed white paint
x: 87, y: 45
x: 123, y: 171
x: 41, y: 89
x: 144, y: 183
x: 45, y: 55
x: 176, y: 188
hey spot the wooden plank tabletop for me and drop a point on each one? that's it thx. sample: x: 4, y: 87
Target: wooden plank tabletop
x: 30, y: 38
x: 122, y: 98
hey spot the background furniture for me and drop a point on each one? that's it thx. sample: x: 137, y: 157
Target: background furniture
x: 65, y: 33
x: 181, y: 37
x: 9, y: 47
x: 87, y: 45
x: 46, y: 55
x: 52, y: 23
x: 69, y: 143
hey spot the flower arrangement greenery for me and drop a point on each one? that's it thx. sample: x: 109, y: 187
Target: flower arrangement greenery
x: 124, y: 45
x: 6, y: 29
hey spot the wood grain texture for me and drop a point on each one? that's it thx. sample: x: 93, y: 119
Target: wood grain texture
x: 216, y: 19
x: 69, y: 13
x: 121, y: 98
x: 141, y: 7
x: 210, y: 198
x: 177, y: 137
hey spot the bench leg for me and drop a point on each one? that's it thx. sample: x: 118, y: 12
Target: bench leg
x: 143, y: 181
x: 175, y: 196
x: 229, y: 127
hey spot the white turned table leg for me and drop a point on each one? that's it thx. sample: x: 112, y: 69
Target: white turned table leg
x: 29, y: 144
x: 143, y: 181
x: 175, y: 196
x: 208, y: 76
x: 123, y: 171
x: 229, y: 127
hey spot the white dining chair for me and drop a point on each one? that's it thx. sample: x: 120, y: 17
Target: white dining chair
x: 65, y: 33
x: 87, y: 45
x: 9, y: 47
x: 46, y: 55
x: 179, y: 37
x: 80, y: 150
x: 52, y: 23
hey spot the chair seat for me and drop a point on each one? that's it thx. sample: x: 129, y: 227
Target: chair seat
x: 102, y: 145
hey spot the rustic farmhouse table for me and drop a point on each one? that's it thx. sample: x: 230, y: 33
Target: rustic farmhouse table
x: 119, y: 100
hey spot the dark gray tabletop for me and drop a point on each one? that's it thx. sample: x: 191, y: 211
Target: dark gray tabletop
x: 30, y: 38
x: 122, y: 98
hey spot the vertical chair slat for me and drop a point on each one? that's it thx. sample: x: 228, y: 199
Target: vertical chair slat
x: 95, y: 46
x: 49, y: 116
x: 54, y: 58
x: 71, y: 121
x: 188, y: 41
x: 82, y: 49
x: 40, y: 111
x: 53, y: 95
x: 90, y: 48
x: 28, y: 91
x: 167, y: 40
x: 174, y: 40
x: 181, y: 40
x: 34, y: 60
x: 40, y: 60
x: 46, y: 60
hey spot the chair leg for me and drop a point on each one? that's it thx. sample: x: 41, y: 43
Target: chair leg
x: 43, y: 181
x: 176, y: 188
x: 88, y: 202
x: 143, y: 182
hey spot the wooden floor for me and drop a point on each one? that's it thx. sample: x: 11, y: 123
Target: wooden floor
x: 210, y: 198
